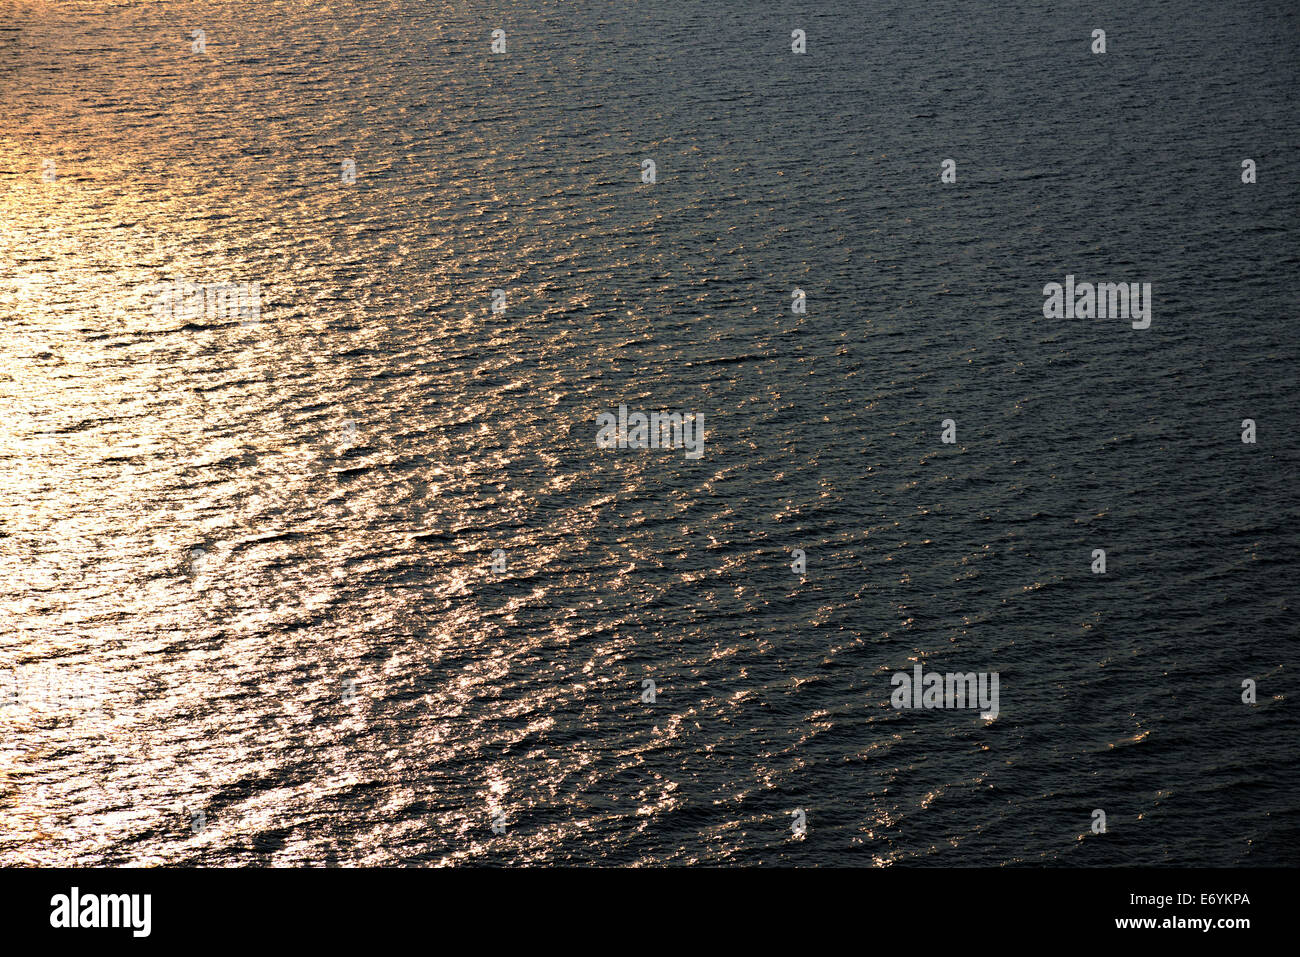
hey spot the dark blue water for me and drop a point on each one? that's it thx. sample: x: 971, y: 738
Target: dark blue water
x: 267, y: 546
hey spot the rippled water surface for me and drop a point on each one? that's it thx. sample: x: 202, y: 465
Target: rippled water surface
x: 253, y: 558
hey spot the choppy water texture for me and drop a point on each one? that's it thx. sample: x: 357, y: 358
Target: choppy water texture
x: 228, y: 522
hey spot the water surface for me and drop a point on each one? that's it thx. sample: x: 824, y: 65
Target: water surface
x: 267, y: 546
